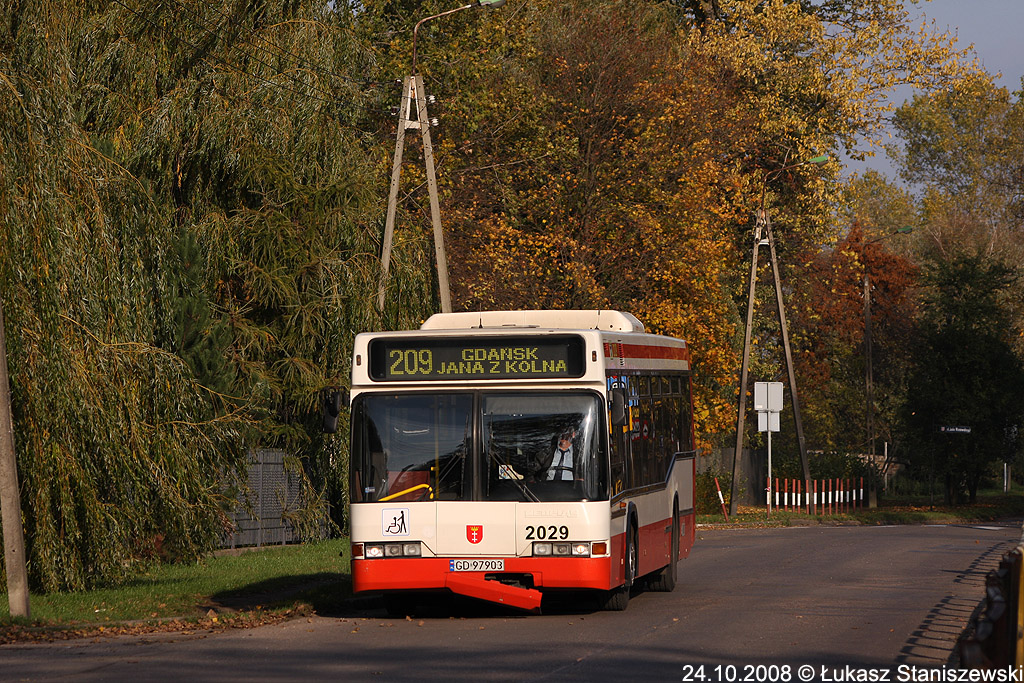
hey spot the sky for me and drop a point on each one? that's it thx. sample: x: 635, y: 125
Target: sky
x: 995, y: 27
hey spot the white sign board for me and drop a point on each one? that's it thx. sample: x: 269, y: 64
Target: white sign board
x: 767, y: 422
x: 955, y: 430
x: 768, y: 397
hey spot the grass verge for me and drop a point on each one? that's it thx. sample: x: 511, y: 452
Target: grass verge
x: 224, y: 590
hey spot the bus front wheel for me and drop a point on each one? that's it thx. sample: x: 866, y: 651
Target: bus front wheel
x: 617, y: 599
x: 665, y: 580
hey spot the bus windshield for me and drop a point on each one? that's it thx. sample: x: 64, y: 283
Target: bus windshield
x: 478, y: 446
x: 542, y: 446
x: 410, y: 446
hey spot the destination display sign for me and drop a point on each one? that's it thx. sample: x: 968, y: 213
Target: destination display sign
x: 446, y: 358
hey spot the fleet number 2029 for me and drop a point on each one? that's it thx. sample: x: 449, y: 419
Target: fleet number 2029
x: 547, y: 533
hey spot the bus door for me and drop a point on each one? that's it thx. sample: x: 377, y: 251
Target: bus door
x: 620, y: 434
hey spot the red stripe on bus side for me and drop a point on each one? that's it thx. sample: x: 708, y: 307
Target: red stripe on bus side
x: 648, y: 352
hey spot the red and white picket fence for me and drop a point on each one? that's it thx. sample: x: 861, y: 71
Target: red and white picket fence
x: 817, y: 496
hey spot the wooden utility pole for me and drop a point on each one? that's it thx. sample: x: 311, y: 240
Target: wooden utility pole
x: 413, y: 114
x: 763, y: 230
x: 793, y: 394
x: 763, y: 226
x: 744, y: 368
x: 10, y: 495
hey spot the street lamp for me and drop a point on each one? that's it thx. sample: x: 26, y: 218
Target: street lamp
x: 763, y: 222
x: 869, y: 376
x: 413, y: 115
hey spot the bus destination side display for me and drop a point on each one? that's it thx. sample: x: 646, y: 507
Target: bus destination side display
x: 397, y: 360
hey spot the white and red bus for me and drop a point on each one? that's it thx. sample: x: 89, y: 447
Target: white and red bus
x: 505, y: 454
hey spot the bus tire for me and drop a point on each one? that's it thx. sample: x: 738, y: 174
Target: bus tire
x: 617, y: 599
x: 665, y: 580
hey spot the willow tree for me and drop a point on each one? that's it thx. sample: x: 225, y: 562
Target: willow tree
x: 188, y: 195
x: 118, y: 456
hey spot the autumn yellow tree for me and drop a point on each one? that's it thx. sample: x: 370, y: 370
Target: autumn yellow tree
x: 612, y: 188
x: 598, y: 153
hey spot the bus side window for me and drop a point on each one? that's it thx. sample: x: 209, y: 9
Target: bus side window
x: 687, y: 427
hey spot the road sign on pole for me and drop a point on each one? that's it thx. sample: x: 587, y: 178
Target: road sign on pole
x: 767, y: 422
x: 768, y: 397
x: 955, y: 430
x: 768, y: 404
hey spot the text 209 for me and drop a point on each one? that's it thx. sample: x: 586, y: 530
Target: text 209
x: 547, y: 533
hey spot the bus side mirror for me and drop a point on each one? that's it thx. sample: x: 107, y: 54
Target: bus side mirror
x: 332, y: 399
x: 619, y: 417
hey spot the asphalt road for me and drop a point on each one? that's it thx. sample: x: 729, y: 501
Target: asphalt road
x: 825, y: 597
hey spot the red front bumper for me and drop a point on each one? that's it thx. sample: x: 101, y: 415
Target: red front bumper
x: 435, y: 572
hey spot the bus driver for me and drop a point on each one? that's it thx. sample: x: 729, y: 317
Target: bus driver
x: 561, y: 461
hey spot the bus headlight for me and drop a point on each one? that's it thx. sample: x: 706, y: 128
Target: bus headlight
x: 562, y: 549
x: 387, y: 550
